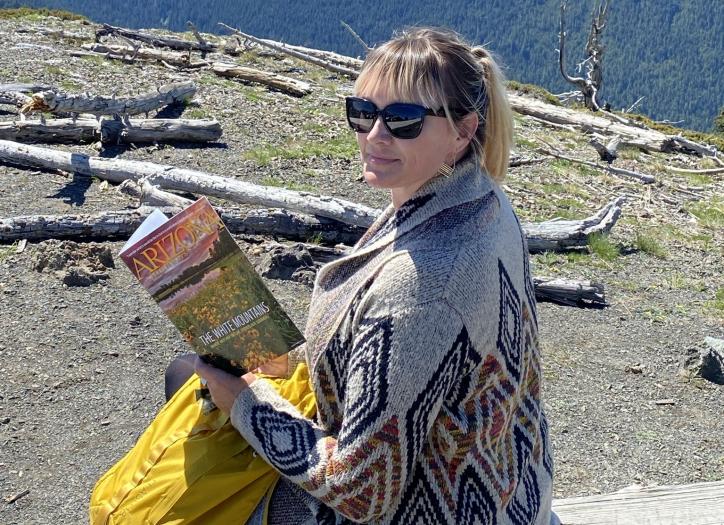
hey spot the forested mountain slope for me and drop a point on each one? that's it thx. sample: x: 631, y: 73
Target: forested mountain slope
x: 666, y: 51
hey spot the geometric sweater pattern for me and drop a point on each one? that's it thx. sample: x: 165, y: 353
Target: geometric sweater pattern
x: 422, y: 346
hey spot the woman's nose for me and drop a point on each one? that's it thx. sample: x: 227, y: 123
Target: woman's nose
x: 379, y: 131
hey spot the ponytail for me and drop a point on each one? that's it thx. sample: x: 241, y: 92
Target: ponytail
x: 494, y: 137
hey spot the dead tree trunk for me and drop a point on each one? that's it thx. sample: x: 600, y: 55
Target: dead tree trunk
x: 121, y: 224
x: 279, y: 82
x: 352, y: 73
x: 173, y: 43
x: 110, y: 131
x: 568, y: 292
x: 561, y: 234
x: 159, y: 130
x: 54, y: 102
x: 549, y: 235
x: 181, y: 60
x: 171, y: 178
x: 644, y: 138
x: 589, y: 86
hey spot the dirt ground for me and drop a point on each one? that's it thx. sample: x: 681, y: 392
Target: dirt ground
x: 82, y: 366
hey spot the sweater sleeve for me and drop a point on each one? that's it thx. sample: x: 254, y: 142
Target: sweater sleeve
x: 401, y: 365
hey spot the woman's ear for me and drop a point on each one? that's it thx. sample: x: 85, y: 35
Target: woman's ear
x: 466, y: 130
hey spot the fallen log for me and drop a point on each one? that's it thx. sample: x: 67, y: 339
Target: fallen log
x: 144, y: 53
x: 560, y: 234
x: 548, y: 235
x: 179, y: 179
x: 327, y: 56
x: 150, y: 195
x: 54, y: 102
x: 648, y: 139
x: 121, y: 224
x: 111, y: 131
x: 23, y: 88
x: 642, y: 177
x: 352, y: 73
x: 273, y: 80
x: 568, y: 292
x: 63, y: 131
x: 14, y: 98
x: 136, y: 131
x: 173, y: 43
x: 711, y: 171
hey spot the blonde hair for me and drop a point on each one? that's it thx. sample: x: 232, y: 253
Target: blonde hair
x: 438, y: 69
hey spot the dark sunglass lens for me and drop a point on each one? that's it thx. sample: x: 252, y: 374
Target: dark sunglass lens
x: 404, y: 120
x: 361, y: 115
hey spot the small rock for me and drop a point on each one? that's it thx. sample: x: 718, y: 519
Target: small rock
x: 636, y: 368
x: 706, y: 361
x: 5, y: 420
x: 75, y: 264
x: 281, y: 261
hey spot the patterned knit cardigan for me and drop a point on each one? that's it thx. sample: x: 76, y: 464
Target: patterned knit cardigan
x: 423, y: 351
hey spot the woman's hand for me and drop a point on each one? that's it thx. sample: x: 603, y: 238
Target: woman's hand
x: 224, y: 387
x: 277, y: 367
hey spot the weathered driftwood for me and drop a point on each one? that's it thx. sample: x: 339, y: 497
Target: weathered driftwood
x: 273, y: 80
x: 150, y: 195
x: 121, y: 224
x: 144, y: 53
x: 559, y: 234
x: 712, y: 171
x: 23, y: 87
x: 647, y: 139
x: 328, y: 56
x: 54, y: 102
x: 173, y: 43
x: 14, y: 98
x: 352, y: 73
x: 692, y: 504
x: 548, y: 235
x: 171, y: 178
x: 110, y: 131
x: 159, y: 130
x: 568, y: 292
x: 642, y: 177
x: 64, y: 131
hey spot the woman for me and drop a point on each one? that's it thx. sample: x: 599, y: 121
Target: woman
x: 422, y: 343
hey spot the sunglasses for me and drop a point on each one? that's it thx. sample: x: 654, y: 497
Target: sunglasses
x: 403, y: 121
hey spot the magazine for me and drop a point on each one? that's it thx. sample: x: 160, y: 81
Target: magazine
x: 202, y: 281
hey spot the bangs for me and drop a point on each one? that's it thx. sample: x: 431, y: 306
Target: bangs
x: 406, y: 74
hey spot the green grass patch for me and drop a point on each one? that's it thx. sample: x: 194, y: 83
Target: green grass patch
x: 716, y: 306
x: 530, y: 144
x: 70, y: 86
x: 710, y: 214
x: 344, y: 147
x: 647, y: 243
x: 196, y: 113
x: 534, y: 91
x: 629, y: 153
x: 28, y: 13
x: 601, y: 246
x: 7, y: 250
x: 697, y: 179
x: 54, y: 70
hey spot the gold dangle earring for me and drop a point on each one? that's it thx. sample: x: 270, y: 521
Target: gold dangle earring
x: 446, y: 169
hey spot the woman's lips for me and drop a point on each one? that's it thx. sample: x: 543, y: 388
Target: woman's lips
x: 374, y: 159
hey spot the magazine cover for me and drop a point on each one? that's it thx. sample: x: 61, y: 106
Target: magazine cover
x: 203, y: 282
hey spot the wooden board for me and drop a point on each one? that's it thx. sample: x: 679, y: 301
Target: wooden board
x: 693, y: 504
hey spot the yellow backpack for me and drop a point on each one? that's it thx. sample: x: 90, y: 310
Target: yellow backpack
x: 189, y: 467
